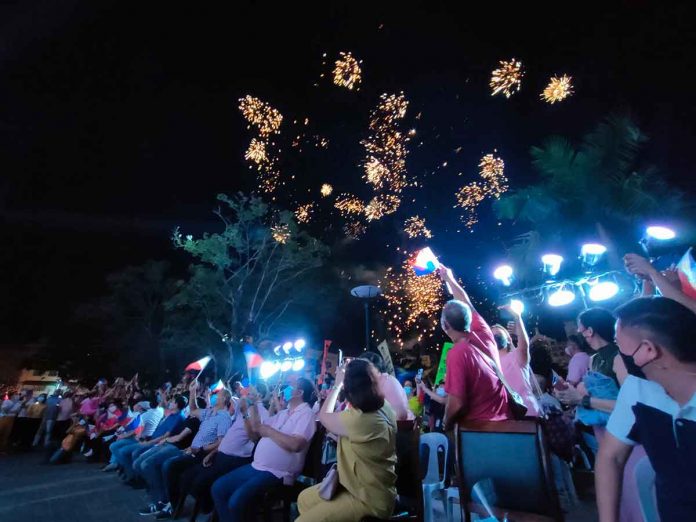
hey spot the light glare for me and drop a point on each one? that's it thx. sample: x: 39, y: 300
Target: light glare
x: 267, y: 369
x: 561, y: 297
x: 552, y: 263
x: 298, y: 365
x: 603, y: 291
x: 517, y: 306
x: 593, y: 249
x: 503, y: 273
x: 661, y: 233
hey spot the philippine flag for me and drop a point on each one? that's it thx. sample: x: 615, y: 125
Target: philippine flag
x: 135, y: 425
x: 253, y: 359
x: 217, y: 386
x: 424, y: 262
x: 199, y: 365
x: 686, y: 270
x: 124, y: 419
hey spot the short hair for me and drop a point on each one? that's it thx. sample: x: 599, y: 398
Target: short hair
x: 376, y: 360
x: 226, y: 396
x: 201, y: 404
x: 307, y: 389
x: 600, y: 320
x: 670, y: 324
x: 580, y: 342
x: 361, y: 387
x: 181, y: 402
x: 457, y: 315
x: 261, y: 389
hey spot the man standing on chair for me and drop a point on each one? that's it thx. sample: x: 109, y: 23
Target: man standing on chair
x: 474, y: 391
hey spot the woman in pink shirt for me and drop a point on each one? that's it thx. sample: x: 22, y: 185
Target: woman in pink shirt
x: 390, y: 388
x: 578, y: 351
x: 514, y: 362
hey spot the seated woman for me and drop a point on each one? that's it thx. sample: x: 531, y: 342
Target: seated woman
x: 366, y: 451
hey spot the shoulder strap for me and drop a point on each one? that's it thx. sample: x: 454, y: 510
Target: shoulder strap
x: 497, y: 371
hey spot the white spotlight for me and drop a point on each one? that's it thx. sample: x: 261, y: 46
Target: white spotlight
x: 300, y: 344
x: 286, y: 365
x: 591, y: 252
x: 603, y: 291
x: 561, y: 297
x: 276, y: 350
x: 552, y: 263
x: 298, y: 365
x: 661, y: 233
x: 287, y: 346
x: 267, y: 369
x: 503, y: 274
x: 517, y: 306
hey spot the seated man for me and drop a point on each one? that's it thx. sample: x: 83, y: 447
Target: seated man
x: 234, y: 451
x: 164, y: 488
x: 279, y: 455
x: 145, y: 426
x: 474, y: 390
x: 124, y: 457
x: 657, y: 411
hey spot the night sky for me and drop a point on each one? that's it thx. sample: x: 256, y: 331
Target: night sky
x: 119, y: 120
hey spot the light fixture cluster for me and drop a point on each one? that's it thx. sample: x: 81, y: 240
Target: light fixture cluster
x: 289, y: 357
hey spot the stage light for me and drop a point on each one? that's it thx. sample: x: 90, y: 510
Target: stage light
x: 561, y: 297
x: 297, y: 365
x: 286, y: 347
x: 503, y: 274
x: 268, y: 369
x: 552, y: 263
x: 276, y: 350
x: 300, y: 344
x: 286, y: 365
x: 661, y: 233
x: 603, y: 291
x: 591, y: 252
x: 517, y: 306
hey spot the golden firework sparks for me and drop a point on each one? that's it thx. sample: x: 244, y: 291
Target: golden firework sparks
x: 261, y: 116
x: 280, y: 233
x: 348, y: 204
x: 303, y: 214
x: 347, y: 72
x: 468, y: 198
x: 558, y: 89
x: 415, y: 227
x: 256, y: 152
x: 492, y: 171
x: 507, y: 79
x: 375, y: 172
x: 326, y: 190
x: 354, y: 229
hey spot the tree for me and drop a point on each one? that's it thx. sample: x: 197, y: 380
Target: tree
x: 250, y: 275
x: 595, y: 188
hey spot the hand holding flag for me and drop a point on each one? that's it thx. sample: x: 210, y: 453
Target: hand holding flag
x: 425, y: 262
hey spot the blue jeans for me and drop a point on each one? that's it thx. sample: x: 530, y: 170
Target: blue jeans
x: 117, y: 447
x: 232, y: 493
x: 129, y: 454
x: 152, y: 467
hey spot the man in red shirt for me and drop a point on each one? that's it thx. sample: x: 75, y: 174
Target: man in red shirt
x: 474, y: 391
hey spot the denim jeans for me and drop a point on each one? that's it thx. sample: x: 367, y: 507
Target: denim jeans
x: 232, y: 493
x: 151, y: 469
x: 129, y: 454
x: 117, y: 447
x: 173, y: 469
x: 198, y: 480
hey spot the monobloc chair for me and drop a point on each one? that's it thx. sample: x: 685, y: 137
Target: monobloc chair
x: 645, y: 480
x: 436, y: 444
x: 512, y: 457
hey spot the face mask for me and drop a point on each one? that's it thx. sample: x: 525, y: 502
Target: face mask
x: 213, y: 400
x: 408, y: 390
x: 287, y: 393
x: 631, y: 367
x: 40, y: 399
x: 172, y: 406
x: 112, y: 408
x: 440, y: 391
x: 501, y: 341
x: 82, y: 422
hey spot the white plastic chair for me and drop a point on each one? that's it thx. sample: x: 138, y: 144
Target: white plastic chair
x: 434, y: 481
x: 645, y: 480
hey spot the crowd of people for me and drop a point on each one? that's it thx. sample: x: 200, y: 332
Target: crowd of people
x: 629, y: 393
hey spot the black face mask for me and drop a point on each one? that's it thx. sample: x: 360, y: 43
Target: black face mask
x: 631, y: 367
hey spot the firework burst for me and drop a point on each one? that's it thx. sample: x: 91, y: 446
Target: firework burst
x: 492, y: 185
x: 507, y: 78
x: 347, y: 72
x: 326, y: 190
x: 354, y: 229
x: 261, y: 116
x: 415, y: 227
x: 558, y: 89
x: 256, y: 153
x: 280, y: 233
x: 303, y: 214
x: 348, y: 205
x: 492, y: 171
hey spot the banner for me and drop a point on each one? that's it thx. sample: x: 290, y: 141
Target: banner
x: 327, y: 344
x: 442, y: 367
x: 383, y: 349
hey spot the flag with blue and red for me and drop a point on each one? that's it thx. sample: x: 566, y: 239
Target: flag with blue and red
x: 135, y: 425
x: 686, y: 269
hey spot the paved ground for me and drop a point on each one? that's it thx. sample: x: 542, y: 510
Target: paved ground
x: 79, y: 492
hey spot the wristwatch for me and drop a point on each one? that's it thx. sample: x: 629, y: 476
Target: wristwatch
x: 585, y: 402
x: 245, y: 416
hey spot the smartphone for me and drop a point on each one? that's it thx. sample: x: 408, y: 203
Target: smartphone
x: 340, y: 357
x: 419, y: 375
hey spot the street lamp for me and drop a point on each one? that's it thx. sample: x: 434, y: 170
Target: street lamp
x: 366, y: 293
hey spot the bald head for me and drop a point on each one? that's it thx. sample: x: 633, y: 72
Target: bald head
x: 456, y: 316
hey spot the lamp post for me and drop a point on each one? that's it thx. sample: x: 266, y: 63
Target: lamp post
x: 366, y: 293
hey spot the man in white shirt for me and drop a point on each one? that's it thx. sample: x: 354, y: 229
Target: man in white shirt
x: 658, y: 411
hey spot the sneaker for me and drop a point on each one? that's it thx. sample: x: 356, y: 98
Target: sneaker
x: 88, y: 453
x: 166, y: 512
x: 110, y: 467
x: 152, y: 509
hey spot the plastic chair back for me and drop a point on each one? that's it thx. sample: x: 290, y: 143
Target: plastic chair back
x: 435, y: 442
x: 645, y: 480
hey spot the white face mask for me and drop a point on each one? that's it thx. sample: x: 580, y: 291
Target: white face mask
x: 112, y: 408
x: 440, y: 391
x: 82, y: 422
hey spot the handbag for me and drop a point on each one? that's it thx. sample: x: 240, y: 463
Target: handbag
x: 558, y: 429
x: 515, y: 401
x: 328, y: 486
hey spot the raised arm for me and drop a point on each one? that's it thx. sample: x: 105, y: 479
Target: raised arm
x: 638, y: 265
x: 521, y: 333
x: 430, y: 393
x: 331, y: 420
x: 458, y: 292
x: 194, y: 411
